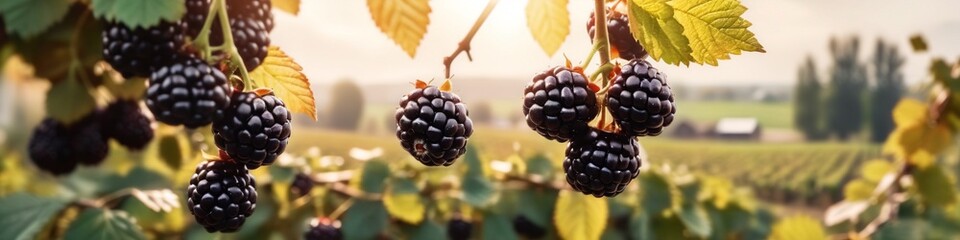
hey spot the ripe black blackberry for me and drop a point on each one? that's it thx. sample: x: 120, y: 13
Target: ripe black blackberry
x: 458, y: 228
x: 124, y: 122
x: 559, y: 103
x: 640, y: 99
x: 618, y: 32
x: 252, y: 39
x: 50, y: 148
x: 254, y: 129
x: 301, y: 186
x: 323, y: 229
x: 601, y: 163
x: 222, y: 195
x: 433, y: 126
x: 526, y: 228
x: 188, y: 92
x: 137, y: 52
x: 88, y: 145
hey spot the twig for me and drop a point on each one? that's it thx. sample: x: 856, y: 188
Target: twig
x: 889, y: 209
x: 600, y: 36
x: 464, y: 45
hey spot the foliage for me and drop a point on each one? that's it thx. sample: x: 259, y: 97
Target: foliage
x: 888, y: 89
x: 346, y: 105
x: 848, y: 79
x: 808, y: 112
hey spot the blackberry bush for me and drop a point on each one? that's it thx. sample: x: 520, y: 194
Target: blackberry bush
x: 124, y: 122
x: 254, y: 129
x: 222, y: 195
x: 433, y: 126
x: 601, y: 163
x: 559, y: 103
x: 323, y: 229
x: 621, y: 40
x: 137, y: 52
x: 526, y: 228
x: 640, y: 100
x: 458, y: 228
x: 188, y: 92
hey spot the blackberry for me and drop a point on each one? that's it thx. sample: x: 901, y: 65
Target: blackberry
x: 458, y: 228
x: 254, y: 129
x: 323, y: 229
x: 618, y: 32
x: 601, y: 163
x: 125, y: 123
x: 433, y: 126
x: 252, y: 39
x: 196, y: 16
x: 189, y: 92
x: 301, y: 186
x: 139, y: 51
x: 250, y: 23
x: 526, y: 228
x: 50, y: 148
x: 222, y: 195
x: 640, y: 100
x: 558, y: 103
x: 87, y: 143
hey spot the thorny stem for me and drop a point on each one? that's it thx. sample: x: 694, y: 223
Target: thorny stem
x: 464, y: 45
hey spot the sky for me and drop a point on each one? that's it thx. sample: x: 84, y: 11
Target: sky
x: 335, y: 39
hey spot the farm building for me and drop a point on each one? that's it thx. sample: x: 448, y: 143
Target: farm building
x: 687, y: 130
x: 737, y: 129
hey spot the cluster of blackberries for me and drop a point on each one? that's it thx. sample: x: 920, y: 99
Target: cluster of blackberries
x: 58, y: 148
x: 560, y: 102
x: 184, y: 89
x: 433, y: 125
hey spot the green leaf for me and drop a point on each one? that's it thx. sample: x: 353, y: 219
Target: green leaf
x: 904, y: 229
x: 173, y: 149
x: 579, y: 216
x: 935, y: 186
x: 51, y: 53
x: 139, y: 13
x: 97, y: 223
x: 715, y: 29
x: 696, y: 220
x: 403, y: 21
x: 549, y: 22
x: 373, y: 176
x: 537, y: 205
x: 365, y: 220
x: 540, y: 165
x: 28, y: 18
x: 640, y: 226
x: 653, y: 24
x: 429, y: 230
x: 69, y: 101
x: 497, y: 227
x: 23, y: 216
x: 289, y: 6
x: 477, y: 189
x: 403, y: 201
x: 667, y: 228
x: 798, y: 228
x: 657, y: 193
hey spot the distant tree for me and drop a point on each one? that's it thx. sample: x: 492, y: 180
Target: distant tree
x: 481, y: 112
x: 848, y: 80
x: 346, y: 106
x: 808, y: 109
x: 887, y: 64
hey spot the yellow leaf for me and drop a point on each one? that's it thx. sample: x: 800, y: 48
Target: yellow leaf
x: 715, y: 29
x: 407, y: 207
x: 799, y: 228
x: 858, y: 189
x: 403, y: 21
x: 290, y: 6
x: 908, y: 112
x: 875, y: 170
x: 549, y: 22
x: 579, y: 216
x: 654, y: 25
x: 285, y: 77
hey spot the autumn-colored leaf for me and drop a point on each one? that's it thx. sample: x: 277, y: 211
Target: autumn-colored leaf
x: 285, y: 77
x: 579, y: 216
x: 715, y: 29
x: 403, y: 21
x: 653, y: 24
x: 290, y: 6
x: 549, y: 22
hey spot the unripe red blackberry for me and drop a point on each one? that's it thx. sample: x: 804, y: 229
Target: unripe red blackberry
x: 137, y: 52
x: 640, y: 100
x: 222, y: 195
x: 124, y: 122
x: 254, y: 129
x: 526, y: 228
x: 458, y: 228
x: 601, y: 163
x: 559, y: 103
x: 433, y: 126
x: 323, y: 229
x: 189, y: 92
x: 618, y: 32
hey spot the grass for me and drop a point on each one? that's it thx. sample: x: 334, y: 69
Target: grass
x: 770, y: 115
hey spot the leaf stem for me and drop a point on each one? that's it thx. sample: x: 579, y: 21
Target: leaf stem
x: 600, y: 36
x: 203, y: 38
x: 341, y: 209
x: 464, y: 45
x: 593, y: 51
x: 230, y: 48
